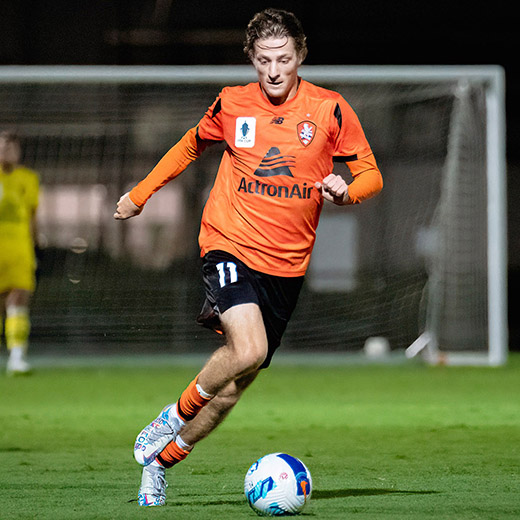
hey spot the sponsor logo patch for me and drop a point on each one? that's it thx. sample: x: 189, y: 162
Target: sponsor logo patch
x: 245, y: 131
x: 274, y: 163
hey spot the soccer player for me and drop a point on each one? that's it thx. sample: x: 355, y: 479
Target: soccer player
x: 19, y: 188
x: 258, y: 226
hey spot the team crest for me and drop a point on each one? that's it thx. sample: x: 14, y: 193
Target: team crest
x: 306, y: 131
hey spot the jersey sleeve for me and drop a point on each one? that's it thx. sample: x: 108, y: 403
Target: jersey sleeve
x: 351, y: 146
x: 177, y: 159
x: 368, y: 180
x: 350, y: 142
x: 174, y: 162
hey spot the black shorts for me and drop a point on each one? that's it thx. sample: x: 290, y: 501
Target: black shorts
x: 229, y: 282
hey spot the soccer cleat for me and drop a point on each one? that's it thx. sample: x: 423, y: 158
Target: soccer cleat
x: 154, y: 438
x: 16, y: 363
x: 153, y: 486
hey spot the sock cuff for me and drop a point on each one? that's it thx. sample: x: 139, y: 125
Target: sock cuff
x: 191, y: 401
x: 203, y: 394
x: 182, y: 445
x: 171, y: 455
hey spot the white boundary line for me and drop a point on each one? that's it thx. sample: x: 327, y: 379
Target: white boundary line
x: 123, y: 360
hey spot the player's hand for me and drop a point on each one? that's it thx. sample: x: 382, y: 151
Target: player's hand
x: 334, y: 189
x: 126, y: 208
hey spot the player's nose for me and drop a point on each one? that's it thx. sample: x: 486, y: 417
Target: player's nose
x: 273, y: 70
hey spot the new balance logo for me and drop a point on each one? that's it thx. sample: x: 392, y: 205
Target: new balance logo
x: 275, y: 164
x: 277, y: 121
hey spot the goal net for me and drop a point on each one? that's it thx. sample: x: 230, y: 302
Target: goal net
x: 422, y: 264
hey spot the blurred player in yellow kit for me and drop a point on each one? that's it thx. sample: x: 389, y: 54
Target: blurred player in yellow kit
x: 19, y: 190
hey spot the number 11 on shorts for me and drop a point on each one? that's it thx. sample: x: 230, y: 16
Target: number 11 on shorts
x: 227, y: 272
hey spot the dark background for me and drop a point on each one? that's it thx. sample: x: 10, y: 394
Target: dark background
x: 371, y: 32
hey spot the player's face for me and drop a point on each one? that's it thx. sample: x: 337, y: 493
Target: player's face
x: 9, y: 151
x: 276, y: 62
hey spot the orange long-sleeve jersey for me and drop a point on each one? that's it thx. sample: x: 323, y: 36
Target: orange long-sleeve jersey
x: 263, y: 207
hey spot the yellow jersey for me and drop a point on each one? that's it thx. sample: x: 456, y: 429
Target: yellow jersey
x: 19, y: 192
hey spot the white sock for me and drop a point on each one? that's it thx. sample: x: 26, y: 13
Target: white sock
x: 16, y: 353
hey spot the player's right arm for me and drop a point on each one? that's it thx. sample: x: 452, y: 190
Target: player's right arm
x: 126, y: 208
x: 174, y: 162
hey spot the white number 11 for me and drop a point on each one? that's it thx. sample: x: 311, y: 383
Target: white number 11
x: 227, y: 267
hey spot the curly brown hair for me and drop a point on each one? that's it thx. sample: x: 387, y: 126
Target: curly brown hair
x: 275, y: 23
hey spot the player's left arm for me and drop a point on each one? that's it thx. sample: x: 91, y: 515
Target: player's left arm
x: 367, y: 182
x: 351, y: 146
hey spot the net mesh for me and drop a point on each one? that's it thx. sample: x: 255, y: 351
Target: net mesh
x: 415, y: 256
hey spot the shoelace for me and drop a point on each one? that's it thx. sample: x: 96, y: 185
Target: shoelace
x: 162, y: 483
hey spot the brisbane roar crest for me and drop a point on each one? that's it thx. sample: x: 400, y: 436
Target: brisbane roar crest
x: 306, y: 131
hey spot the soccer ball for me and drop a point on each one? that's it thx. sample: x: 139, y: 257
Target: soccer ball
x: 278, y: 484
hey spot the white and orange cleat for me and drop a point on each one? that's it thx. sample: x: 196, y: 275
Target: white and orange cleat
x: 160, y: 432
x: 153, y: 486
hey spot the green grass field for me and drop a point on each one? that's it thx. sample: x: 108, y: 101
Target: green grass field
x: 399, y: 441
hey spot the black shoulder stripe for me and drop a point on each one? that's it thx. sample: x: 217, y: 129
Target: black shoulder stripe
x: 337, y: 115
x: 217, y: 108
x: 345, y: 158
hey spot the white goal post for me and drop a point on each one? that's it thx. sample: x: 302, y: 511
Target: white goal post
x: 423, y: 264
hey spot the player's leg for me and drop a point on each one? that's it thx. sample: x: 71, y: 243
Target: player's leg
x: 17, y: 283
x: 244, y: 352
x: 229, y: 371
x: 17, y: 328
x: 152, y: 491
x: 277, y: 299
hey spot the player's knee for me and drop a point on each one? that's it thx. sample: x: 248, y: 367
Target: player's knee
x: 246, y: 336
x: 251, y: 355
x: 257, y: 360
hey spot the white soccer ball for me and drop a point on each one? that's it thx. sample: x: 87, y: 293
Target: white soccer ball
x: 377, y: 347
x: 277, y: 485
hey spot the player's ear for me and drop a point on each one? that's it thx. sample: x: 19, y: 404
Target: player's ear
x: 301, y: 56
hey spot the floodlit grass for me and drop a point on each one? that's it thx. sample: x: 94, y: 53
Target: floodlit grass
x: 398, y: 441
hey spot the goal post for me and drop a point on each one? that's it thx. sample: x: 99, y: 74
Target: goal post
x: 423, y: 264
x: 495, y: 224
x: 492, y: 118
